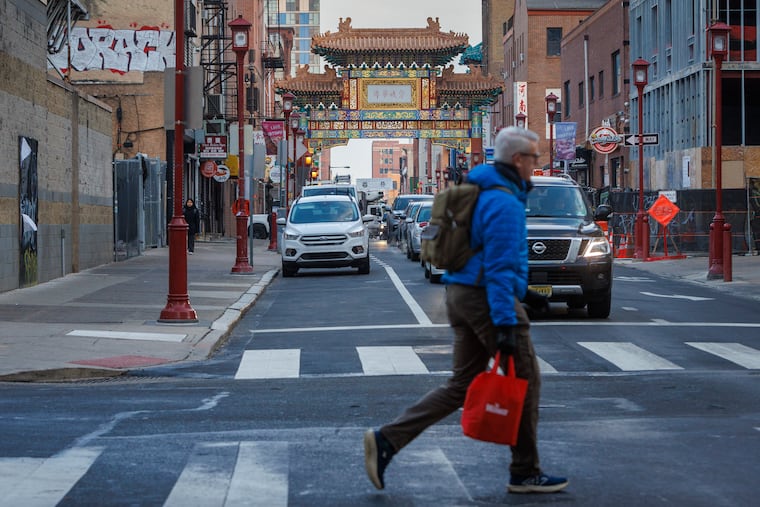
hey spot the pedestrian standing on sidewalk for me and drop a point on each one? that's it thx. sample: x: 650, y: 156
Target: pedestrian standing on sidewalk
x: 483, y: 302
x: 193, y: 219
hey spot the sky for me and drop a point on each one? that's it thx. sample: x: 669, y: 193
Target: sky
x: 462, y: 16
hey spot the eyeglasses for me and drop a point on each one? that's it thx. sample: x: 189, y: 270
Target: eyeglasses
x: 534, y: 155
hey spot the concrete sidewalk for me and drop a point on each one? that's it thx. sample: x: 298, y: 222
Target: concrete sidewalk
x: 746, y: 273
x: 104, y: 321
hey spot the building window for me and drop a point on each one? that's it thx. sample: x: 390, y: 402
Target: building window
x: 581, y: 92
x: 553, y: 41
x: 601, y: 84
x: 617, y: 75
x: 591, y: 88
x: 566, y: 95
x: 314, y: 5
x: 291, y: 5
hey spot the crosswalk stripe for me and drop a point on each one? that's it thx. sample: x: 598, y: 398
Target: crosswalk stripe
x: 734, y: 352
x: 437, y: 470
x: 261, y: 475
x: 545, y: 367
x: 20, y: 478
x: 231, y: 474
x: 629, y: 357
x: 269, y: 363
x: 391, y: 361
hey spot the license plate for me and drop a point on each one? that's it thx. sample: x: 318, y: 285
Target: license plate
x: 544, y: 290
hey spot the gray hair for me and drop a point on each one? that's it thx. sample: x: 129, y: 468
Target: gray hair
x: 513, y: 140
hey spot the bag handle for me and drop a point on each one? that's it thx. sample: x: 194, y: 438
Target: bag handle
x: 510, y: 365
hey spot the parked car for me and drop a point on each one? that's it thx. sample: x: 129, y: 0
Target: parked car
x: 407, y: 217
x: 432, y: 273
x: 324, y: 231
x: 569, y: 257
x: 414, y: 228
x: 393, y: 217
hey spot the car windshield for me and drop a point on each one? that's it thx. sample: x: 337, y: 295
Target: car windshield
x: 329, y: 190
x: 424, y: 214
x: 401, y: 203
x: 556, y: 202
x: 324, y: 211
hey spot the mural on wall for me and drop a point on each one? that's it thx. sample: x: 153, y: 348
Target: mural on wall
x: 27, y: 191
x: 149, y: 48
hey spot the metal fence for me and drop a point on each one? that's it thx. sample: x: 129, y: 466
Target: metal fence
x: 139, y: 206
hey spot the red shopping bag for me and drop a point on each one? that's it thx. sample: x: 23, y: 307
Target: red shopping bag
x: 493, y: 406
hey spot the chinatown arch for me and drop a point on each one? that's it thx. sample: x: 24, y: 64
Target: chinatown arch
x: 392, y: 83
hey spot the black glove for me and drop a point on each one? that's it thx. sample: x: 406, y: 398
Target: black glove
x: 505, y: 340
x: 538, y: 303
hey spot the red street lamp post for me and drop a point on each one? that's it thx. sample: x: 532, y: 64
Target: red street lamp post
x: 551, y: 110
x: 240, y: 28
x: 641, y: 227
x: 178, y: 307
x: 720, y: 231
x: 295, y: 121
x: 520, y: 120
x: 287, y: 108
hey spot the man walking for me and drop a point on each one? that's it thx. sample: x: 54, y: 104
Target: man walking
x: 484, y: 309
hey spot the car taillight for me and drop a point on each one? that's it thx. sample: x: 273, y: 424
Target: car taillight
x: 423, y: 224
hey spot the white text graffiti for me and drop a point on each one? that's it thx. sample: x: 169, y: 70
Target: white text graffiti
x: 118, y: 50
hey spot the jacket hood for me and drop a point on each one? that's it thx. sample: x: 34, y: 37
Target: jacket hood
x: 487, y: 175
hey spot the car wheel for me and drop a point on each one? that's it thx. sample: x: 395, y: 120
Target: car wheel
x: 288, y: 270
x: 600, y: 309
x: 427, y: 272
x: 364, y: 268
x: 415, y: 256
x: 576, y: 304
x: 435, y: 278
x: 259, y: 231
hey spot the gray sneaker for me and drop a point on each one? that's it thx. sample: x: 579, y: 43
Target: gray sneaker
x: 540, y: 483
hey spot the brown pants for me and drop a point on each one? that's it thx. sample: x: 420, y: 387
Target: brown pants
x: 474, y: 344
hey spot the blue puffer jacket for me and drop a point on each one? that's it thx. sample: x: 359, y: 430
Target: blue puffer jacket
x: 499, y: 236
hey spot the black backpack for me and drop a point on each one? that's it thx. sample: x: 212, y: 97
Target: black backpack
x: 446, y: 239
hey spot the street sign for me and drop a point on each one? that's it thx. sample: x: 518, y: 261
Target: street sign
x: 663, y: 210
x: 215, y: 147
x: 647, y: 139
x: 604, y: 140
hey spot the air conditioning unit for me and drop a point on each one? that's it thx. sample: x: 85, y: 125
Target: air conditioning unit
x: 190, y: 17
x: 514, y: 65
x: 522, y: 57
x: 214, y: 105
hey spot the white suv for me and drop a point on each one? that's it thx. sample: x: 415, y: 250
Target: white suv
x: 324, y: 231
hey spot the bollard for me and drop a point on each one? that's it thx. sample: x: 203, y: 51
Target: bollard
x: 727, y: 252
x: 273, y: 231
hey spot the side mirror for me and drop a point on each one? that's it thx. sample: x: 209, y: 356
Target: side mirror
x: 602, y: 213
x: 281, y: 221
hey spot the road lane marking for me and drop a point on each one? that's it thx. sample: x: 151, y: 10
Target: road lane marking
x: 124, y: 335
x: 545, y: 367
x: 44, y: 481
x: 568, y: 323
x: 269, y: 364
x: 629, y: 357
x: 734, y: 352
x: 416, y: 309
x: 677, y: 296
x: 391, y: 361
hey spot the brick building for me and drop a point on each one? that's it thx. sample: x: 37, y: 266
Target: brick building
x: 533, y: 59
x: 596, y: 88
x: 56, y: 184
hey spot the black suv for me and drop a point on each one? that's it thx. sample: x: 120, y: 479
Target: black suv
x: 570, y: 259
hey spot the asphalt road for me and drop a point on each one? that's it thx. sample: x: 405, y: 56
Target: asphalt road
x: 657, y: 405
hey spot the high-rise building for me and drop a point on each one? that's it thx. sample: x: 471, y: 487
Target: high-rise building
x: 303, y: 17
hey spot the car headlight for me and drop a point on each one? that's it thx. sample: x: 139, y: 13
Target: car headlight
x: 356, y: 234
x: 290, y: 236
x: 597, y: 247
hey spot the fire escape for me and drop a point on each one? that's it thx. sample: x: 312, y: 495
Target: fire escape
x: 218, y: 65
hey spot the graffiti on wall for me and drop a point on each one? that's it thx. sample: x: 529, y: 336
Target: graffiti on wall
x: 28, y: 212
x: 121, y: 51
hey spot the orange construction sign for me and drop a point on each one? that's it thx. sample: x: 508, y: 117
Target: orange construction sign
x: 663, y: 210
